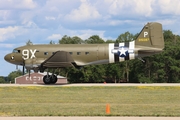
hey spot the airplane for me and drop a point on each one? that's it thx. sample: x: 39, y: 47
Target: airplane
x: 40, y: 57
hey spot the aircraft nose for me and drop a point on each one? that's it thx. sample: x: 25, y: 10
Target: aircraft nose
x: 9, y: 57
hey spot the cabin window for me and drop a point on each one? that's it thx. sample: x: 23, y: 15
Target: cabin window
x: 86, y: 53
x: 78, y: 53
x: 70, y: 53
x: 37, y: 50
x: 45, y: 53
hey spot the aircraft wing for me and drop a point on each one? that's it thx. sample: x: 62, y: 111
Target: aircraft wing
x: 58, y: 59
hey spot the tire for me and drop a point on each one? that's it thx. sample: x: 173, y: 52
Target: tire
x: 47, y: 79
x: 53, y: 79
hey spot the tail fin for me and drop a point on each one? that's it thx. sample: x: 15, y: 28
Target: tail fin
x: 151, y: 36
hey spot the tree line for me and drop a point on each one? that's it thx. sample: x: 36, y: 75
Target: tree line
x: 159, y: 68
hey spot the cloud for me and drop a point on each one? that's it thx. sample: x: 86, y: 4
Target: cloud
x: 85, y: 34
x: 4, y: 14
x: 169, y: 6
x: 85, y: 12
x: 50, y: 18
x: 143, y: 7
x: 10, y: 32
x: 3, y: 45
x: 129, y: 8
x: 17, y: 4
x: 115, y: 6
x: 54, y: 37
x: 119, y: 22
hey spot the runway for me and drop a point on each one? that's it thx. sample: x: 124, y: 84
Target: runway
x: 89, y: 118
x: 96, y: 84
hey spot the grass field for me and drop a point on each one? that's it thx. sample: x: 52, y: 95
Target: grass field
x: 89, y: 101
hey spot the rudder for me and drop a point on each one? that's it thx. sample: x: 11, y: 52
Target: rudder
x: 151, y: 36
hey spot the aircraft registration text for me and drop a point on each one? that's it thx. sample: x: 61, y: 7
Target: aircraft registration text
x: 143, y: 39
x: 26, y: 54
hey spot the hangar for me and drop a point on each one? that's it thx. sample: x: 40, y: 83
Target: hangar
x: 37, y: 78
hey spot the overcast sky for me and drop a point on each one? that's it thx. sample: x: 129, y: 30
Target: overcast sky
x: 44, y: 20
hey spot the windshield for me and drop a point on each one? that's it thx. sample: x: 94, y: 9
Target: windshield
x: 16, y: 51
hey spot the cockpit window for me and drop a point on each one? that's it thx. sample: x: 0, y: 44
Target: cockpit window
x: 16, y: 51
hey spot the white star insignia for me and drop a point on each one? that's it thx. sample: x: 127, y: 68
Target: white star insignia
x: 122, y: 51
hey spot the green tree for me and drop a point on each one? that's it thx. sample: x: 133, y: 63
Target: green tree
x: 52, y: 42
x: 70, y: 40
x: 125, y: 37
x: 77, y: 40
x: 114, y: 72
x: 95, y: 39
x: 2, y: 80
x: 110, y: 41
x: 77, y: 76
x: 13, y: 75
x: 96, y: 73
x: 168, y: 35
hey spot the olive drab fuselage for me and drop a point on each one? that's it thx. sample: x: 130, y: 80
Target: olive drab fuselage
x: 39, y: 57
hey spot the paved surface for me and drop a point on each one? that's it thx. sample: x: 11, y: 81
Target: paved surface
x: 89, y: 118
x: 99, y: 84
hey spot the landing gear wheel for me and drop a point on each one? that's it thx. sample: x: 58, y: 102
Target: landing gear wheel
x: 53, y: 79
x: 47, y: 79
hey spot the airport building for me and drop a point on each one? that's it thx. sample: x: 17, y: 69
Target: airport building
x: 37, y: 78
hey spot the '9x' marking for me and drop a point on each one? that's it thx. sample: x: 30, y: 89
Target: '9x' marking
x: 26, y: 54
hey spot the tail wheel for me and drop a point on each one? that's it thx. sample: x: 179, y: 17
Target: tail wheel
x: 53, y: 79
x: 47, y: 79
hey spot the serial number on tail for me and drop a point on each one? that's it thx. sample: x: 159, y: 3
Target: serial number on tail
x: 143, y: 39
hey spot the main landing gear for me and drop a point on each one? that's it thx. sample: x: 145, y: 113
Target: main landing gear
x: 50, y: 79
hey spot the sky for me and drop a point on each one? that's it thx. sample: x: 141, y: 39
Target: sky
x: 44, y: 20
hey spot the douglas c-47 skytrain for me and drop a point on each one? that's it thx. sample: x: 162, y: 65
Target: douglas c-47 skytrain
x: 40, y: 57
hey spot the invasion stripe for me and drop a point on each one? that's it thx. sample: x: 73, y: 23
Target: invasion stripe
x: 116, y: 56
x: 127, y: 46
x: 132, y: 52
x: 111, y: 55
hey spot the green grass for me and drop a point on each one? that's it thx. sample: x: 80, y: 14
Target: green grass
x: 89, y: 101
